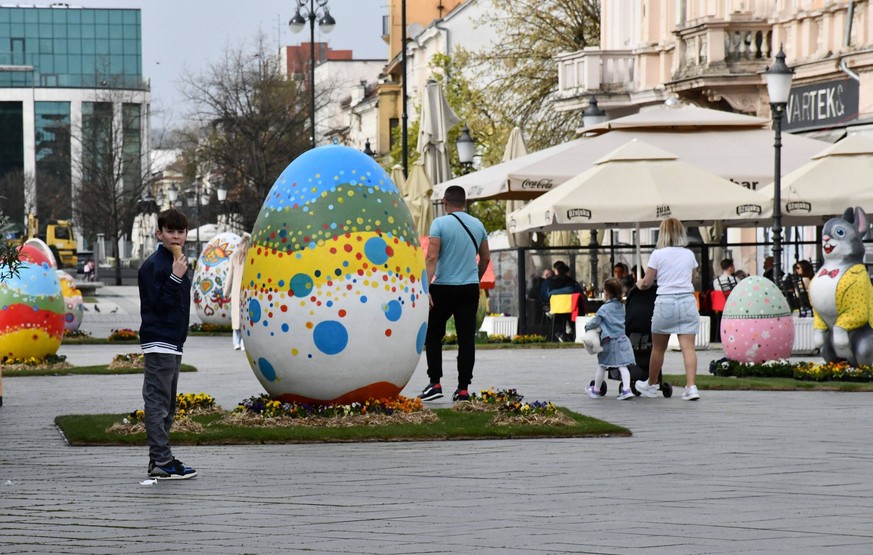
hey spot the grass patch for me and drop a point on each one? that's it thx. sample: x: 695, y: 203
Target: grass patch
x: 712, y: 383
x: 78, y: 370
x: 90, y: 429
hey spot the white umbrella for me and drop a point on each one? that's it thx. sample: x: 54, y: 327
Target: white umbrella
x: 437, y: 117
x: 836, y: 178
x: 515, y: 148
x: 732, y: 146
x: 640, y: 185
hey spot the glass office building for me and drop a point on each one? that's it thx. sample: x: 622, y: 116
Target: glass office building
x: 66, y: 74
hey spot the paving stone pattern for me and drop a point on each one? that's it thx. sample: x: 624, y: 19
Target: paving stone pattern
x: 736, y: 472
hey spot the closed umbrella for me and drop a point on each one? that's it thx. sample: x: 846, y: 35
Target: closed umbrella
x: 399, y: 179
x: 437, y: 117
x: 834, y: 179
x: 515, y: 148
x: 417, y: 197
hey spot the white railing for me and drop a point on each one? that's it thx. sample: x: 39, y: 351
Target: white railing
x: 593, y: 69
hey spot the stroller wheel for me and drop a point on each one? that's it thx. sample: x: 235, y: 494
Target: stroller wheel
x: 667, y: 390
x: 602, y: 387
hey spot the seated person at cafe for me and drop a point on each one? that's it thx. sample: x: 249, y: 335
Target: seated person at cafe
x: 726, y: 281
x: 562, y: 283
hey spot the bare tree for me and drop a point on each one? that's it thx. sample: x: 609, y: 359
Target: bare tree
x: 113, y: 167
x: 251, y: 122
x: 8, y: 251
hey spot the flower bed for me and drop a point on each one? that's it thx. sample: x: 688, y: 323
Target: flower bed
x: 187, y: 405
x: 49, y: 362
x: 128, y: 360
x: 803, y: 371
x: 452, y: 339
x: 125, y: 334
x: 511, y: 408
x: 210, y: 328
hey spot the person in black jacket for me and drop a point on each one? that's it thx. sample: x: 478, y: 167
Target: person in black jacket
x: 165, y: 301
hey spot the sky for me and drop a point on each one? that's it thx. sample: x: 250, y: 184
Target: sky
x: 185, y: 35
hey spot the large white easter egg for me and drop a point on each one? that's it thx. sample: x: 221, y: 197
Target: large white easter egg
x: 74, y: 305
x: 334, y: 289
x: 210, y: 277
x: 757, y: 325
x: 31, y: 308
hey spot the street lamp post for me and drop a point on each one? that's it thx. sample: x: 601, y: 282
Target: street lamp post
x: 466, y: 149
x: 779, y: 78
x: 326, y: 24
x: 593, y: 115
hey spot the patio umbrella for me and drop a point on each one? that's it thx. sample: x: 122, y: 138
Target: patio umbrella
x: 417, y: 197
x: 399, y: 179
x: 515, y: 148
x: 640, y: 185
x: 732, y: 146
x: 437, y: 117
x: 834, y: 179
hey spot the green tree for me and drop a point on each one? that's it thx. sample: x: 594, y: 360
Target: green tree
x: 519, y: 73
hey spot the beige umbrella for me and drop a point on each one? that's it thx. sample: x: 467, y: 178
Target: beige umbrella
x: 437, y: 117
x: 732, y: 146
x: 836, y: 178
x: 418, y: 198
x: 399, y: 179
x: 639, y: 184
x: 515, y: 148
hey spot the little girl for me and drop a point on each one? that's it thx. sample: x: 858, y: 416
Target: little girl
x: 617, y: 351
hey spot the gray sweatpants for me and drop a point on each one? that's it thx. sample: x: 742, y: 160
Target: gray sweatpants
x: 159, y: 399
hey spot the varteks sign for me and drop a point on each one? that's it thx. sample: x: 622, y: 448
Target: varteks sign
x: 821, y: 105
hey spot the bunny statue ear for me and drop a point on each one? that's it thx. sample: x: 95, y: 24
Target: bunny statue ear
x: 861, y: 222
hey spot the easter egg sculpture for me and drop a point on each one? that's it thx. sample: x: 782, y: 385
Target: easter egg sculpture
x: 212, y: 305
x: 31, y: 308
x: 74, y: 306
x: 334, y: 288
x: 757, y: 325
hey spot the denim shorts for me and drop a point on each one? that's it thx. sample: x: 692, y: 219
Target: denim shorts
x: 676, y: 314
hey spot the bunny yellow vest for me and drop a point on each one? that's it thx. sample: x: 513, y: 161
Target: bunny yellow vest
x: 854, y: 301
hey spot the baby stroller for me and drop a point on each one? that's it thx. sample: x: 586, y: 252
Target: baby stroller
x: 639, y: 306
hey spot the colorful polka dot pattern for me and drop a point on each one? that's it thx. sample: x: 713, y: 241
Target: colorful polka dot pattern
x: 74, y: 305
x: 333, y: 288
x: 31, y: 308
x: 757, y: 325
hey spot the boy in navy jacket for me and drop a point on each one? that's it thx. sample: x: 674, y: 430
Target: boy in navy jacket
x: 165, y: 299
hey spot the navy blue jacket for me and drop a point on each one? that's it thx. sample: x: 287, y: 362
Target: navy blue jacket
x: 165, y: 302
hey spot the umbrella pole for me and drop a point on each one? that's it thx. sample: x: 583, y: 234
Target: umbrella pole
x: 638, y: 254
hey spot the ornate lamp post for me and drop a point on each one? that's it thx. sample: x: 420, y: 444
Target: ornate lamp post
x: 466, y: 150
x: 326, y: 23
x: 593, y: 115
x: 779, y: 78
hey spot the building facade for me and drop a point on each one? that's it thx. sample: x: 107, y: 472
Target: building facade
x: 712, y: 53
x: 71, y: 88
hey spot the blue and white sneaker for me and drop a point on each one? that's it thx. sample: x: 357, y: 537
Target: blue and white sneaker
x: 593, y: 393
x: 174, y: 470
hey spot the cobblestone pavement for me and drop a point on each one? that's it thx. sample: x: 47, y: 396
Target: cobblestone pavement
x: 736, y: 472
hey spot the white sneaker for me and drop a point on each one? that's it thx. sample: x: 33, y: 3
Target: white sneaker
x: 625, y: 394
x: 691, y: 394
x: 647, y: 390
x: 593, y: 393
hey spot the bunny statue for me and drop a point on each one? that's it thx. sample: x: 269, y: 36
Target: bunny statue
x: 841, y: 293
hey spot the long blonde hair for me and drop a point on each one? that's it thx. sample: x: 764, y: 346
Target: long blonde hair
x: 239, y: 254
x: 671, y: 234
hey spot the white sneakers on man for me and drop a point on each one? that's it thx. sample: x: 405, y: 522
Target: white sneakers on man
x: 647, y: 390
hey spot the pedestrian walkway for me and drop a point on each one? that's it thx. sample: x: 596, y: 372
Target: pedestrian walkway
x: 736, y: 472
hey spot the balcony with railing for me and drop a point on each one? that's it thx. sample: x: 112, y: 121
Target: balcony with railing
x: 593, y: 69
x: 719, y: 46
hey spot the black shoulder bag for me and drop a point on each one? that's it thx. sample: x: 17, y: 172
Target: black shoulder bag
x: 467, y: 229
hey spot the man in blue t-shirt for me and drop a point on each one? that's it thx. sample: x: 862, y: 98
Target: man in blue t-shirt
x: 454, y: 273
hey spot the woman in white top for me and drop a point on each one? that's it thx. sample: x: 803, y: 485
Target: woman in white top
x: 673, y: 267
x: 232, y: 285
